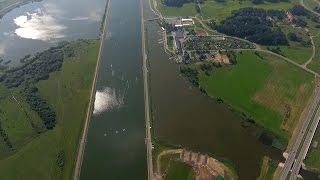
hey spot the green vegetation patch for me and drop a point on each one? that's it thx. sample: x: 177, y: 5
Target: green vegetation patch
x: 268, y: 169
x: 187, y: 9
x: 313, y: 158
x: 179, y: 170
x: 315, y: 63
x: 268, y: 89
x: 68, y: 92
x: 297, y: 53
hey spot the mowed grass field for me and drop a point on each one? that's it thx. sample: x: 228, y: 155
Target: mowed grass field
x: 68, y: 92
x: 298, y: 54
x: 269, y: 90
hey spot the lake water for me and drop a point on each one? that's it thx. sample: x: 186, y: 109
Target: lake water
x: 36, y: 26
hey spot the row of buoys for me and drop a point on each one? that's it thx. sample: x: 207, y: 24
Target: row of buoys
x: 116, y: 131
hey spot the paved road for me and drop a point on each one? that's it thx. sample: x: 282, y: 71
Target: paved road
x: 298, y: 140
x: 146, y: 99
x: 83, y: 139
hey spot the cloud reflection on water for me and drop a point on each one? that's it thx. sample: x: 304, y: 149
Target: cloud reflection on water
x: 107, y: 99
x: 38, y: 25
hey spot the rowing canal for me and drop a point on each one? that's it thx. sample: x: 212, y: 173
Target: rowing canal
x: 115, y: 147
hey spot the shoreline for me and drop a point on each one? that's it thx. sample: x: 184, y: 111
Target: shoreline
x: 85, y: 128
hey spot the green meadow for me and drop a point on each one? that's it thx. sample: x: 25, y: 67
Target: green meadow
x: 52, y: 153
x: 179, y: 170
x: 267, y: 89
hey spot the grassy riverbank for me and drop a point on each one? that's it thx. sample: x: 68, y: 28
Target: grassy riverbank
x: 52, y: 153
x: 313, y: 158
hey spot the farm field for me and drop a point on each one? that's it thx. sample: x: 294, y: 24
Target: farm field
x: 67, y: 91
x: 269, y: 90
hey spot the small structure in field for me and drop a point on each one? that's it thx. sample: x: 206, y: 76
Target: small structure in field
x: 315, y: 144
x: 180, y: 22
x: 187, y: 22
x: 290, y: 17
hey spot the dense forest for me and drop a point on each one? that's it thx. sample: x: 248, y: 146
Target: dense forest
x: 255, y: 25
x: 33, y: 70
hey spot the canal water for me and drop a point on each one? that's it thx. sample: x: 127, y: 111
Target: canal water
x: 115, y: 147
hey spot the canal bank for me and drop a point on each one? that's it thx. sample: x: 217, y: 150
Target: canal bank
x: 184, y: 117
x: 83, y: 138
x: 116, y: 138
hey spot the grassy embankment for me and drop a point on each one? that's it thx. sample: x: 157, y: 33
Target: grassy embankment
x: 51, y: 154
x: 313, y: 158
x: 269, y: 90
